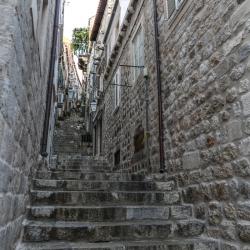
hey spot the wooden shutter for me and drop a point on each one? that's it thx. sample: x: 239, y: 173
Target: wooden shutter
x: 171, y: 7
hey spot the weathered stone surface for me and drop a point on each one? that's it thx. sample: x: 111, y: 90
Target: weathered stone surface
x: 227, y: 247
x: 223, y: 34
x: 244, y: 86
x: 190, y: 228
x: 208, y: 174
x: 245, y: 189
x: 244, y: 51
x: 210, y: 157
x: 223, y: 172
x: 191, y: 160
x: 244, y: 146
x: 224, y: 82
x: 222, y: 68
x: 237, y: 72
x: 231, y: 94
x: 201, y: 142
x: 247, y: 126
x: 246, y: 104
x: 191, y: 193
x: 234, y: 188
x: 200, y: 211
x: 234, y: 130
x: 229, y: 211
x: 241, y: 167
x: 221, y: 190
x: 206, y: 191
x: 229, y: 230
x: 237, y: 111
x: 213, y: 232
x: 229, y: 152
x: 214, y: 213
x: 239, y: 13
x: 204, y: 67
x: 180, y: 212
x: 244, y: 210
x: 244, y: 232
x: 195, y: 177
x: 232, y: 43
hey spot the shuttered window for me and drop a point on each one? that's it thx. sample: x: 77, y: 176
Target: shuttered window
x: 116, y: 91
x: 173, y: 5
x: 137, y: 47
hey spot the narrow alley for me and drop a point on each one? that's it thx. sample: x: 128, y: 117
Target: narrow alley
x: 80, y: 204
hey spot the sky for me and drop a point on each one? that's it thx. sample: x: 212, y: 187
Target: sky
x: 77, y: 13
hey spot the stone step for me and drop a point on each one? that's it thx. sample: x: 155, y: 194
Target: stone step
x: 78, y: 198
x: 78, y: 175
x: 36, y: 231
x: 69, y: 185
x: 108, y: 213
x: 195, y: 243
x: 82, y: 167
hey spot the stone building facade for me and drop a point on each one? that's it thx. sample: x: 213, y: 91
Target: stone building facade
x: 204, y: 73
x: 26, y: 29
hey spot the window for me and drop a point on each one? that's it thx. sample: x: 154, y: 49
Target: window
x: 117, y: 157
x: 137, y: 47
x: 101, y: 83
x: 116, y: 91
x: 173, y: 6
x: 139, y: 142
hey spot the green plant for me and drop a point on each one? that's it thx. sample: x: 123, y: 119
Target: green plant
x: 67, y: 113
x: 80, y: 40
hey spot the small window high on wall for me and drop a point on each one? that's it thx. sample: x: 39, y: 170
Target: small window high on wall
x: 116, y: 91
x: 117, y: 157
x: 173, y: 6
x: 137, y: 49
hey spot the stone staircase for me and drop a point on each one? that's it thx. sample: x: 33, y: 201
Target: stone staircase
x: 80, y: 204
x: 67, y: 138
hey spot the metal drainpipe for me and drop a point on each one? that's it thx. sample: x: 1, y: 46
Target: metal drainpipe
x: 162, y: 167
x: 147, y: 125
x: 50, y: 83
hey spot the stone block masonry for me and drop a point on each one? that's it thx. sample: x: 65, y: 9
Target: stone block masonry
x: 209, y: 48
x: 22, y: 103
x: 205, y: 70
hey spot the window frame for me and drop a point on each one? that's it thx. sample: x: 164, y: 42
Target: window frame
x: 140, y: 49
x: 178, y: 8
x: 116, y: 91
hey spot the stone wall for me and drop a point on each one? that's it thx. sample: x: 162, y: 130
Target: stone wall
x: 22, y: 105
x: 205, y: 71
x: 129, y: 120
